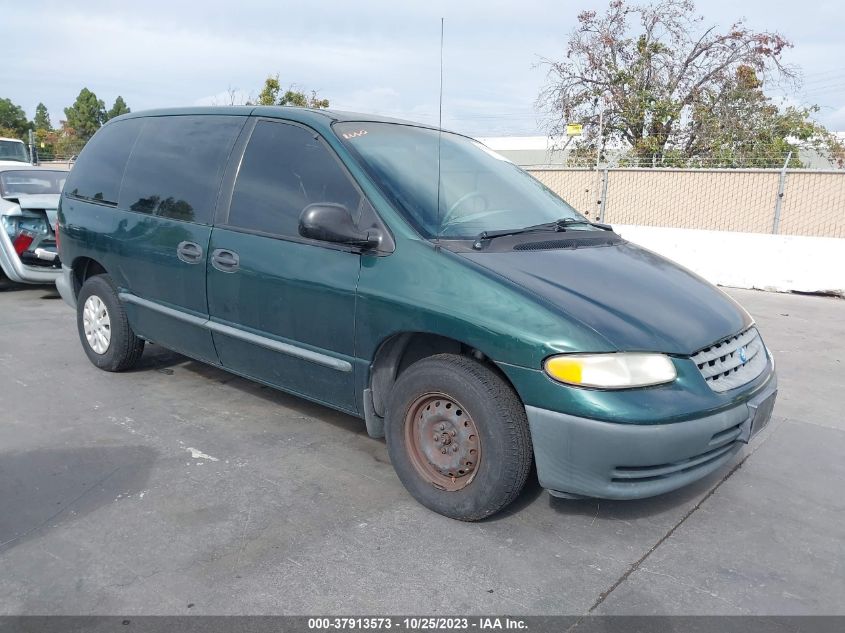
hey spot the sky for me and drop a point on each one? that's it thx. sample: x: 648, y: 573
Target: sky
x: 375, y: 56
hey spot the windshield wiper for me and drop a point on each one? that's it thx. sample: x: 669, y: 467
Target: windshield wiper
x: 564, y: 222
x: 557, y: 225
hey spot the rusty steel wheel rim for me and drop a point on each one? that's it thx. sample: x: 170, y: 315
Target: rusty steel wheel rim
x: 442, y: 441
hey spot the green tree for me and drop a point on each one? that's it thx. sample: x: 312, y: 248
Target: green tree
x: 42, y: 118
x: 45, y: 142
x: 13, y: 119
x: 670, y: 89
x: 118, y: 108
x: 65, y: 142
x: 86, y: 115
x: 270, y: 92
x: 764, y: 138
x: 269, y: 95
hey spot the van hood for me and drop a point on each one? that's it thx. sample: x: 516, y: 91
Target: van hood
x: 632, y: 297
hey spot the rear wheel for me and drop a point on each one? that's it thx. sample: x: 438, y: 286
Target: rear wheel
x: 458, y: 437
x: 104, y: 330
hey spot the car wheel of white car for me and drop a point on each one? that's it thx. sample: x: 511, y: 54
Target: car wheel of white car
x: 97, y: 324
x: 104, y: 330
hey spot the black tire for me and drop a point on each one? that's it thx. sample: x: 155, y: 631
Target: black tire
x: 124, y: 348
x: 505, y: 455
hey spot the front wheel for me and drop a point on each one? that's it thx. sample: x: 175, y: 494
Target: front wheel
x: 104, y: 330
x: 458, y: 437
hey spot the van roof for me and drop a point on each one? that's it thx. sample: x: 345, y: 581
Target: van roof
x: 317, y: 117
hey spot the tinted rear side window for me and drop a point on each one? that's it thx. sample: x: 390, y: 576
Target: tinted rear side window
x: 175, y: 168
x: 97, y: 173
x: 285, y: 168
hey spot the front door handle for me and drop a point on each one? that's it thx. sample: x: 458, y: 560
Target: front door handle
x: 189, y: 252
x: 224, y: 260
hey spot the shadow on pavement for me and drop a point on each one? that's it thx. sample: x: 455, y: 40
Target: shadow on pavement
x: 41, y: 488
x: 163, y: 360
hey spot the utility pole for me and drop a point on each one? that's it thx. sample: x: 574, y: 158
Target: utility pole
x: 779, y: 199
x: 601, y: 138
x: 599, y: 188
x: 32, y: 157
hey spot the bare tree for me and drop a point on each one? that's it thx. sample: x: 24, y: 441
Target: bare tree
x: 232, y: 94
x: 656, y: 72
x: 232, y: 97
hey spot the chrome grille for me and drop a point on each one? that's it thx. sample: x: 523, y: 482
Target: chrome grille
x: 722, y: 364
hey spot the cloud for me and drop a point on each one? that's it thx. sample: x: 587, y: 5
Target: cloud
x: 834, y: 120
x: 373, y: 55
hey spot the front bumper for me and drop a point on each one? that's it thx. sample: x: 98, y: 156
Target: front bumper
x: 578, y: 456
x: 19, y: 272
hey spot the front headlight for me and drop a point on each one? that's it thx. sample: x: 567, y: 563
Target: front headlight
x: 611, y: 371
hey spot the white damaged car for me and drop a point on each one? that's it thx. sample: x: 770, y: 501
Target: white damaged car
x: 29, y: 198
x: 13, y: 151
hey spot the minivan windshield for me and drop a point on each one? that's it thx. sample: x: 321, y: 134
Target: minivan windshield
x: 479, y: 189
x: 13, y: 150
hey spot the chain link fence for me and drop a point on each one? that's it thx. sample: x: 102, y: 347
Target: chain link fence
x: 781, y: 201
x: 65, y: 154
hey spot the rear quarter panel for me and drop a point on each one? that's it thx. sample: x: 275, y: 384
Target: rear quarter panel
x: 136, y: 250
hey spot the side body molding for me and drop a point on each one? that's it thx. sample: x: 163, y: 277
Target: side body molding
x: 228, y: 330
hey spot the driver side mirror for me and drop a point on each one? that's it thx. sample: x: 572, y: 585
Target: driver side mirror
x: 329, y: 222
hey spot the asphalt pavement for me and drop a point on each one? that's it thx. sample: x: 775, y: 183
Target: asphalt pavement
x: 177, y: 488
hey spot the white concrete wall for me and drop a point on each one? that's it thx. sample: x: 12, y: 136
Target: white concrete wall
x: 750, y: 260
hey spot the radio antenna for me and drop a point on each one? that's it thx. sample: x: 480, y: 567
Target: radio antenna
x: 439, y: 129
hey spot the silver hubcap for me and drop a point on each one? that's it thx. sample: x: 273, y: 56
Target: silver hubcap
x: 97, y: 324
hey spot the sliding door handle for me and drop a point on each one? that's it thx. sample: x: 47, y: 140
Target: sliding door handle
x: 224, y: 260
x: 189, y: 252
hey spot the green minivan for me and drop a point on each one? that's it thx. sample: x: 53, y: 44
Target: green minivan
x: 416, y: 279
